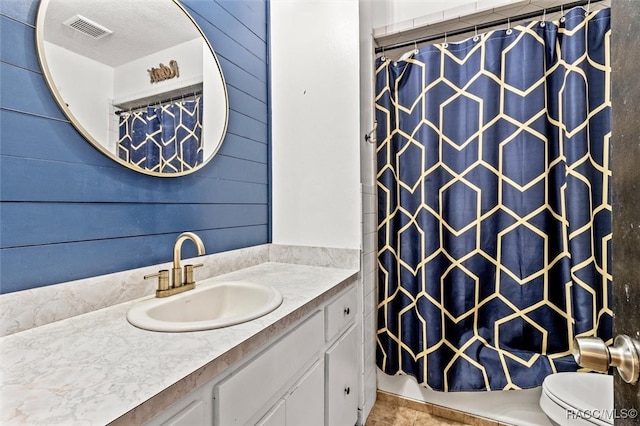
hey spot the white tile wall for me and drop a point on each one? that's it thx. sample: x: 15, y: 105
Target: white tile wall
x: 368, y: 275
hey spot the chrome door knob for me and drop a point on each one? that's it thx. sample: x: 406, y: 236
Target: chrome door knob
x: 593, y: 354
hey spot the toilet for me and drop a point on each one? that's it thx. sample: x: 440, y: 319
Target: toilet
x: 574, y: 399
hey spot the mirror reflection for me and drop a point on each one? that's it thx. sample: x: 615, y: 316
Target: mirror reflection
x: 137, y: 78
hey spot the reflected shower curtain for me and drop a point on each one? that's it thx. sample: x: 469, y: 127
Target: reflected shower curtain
x: 494, y: 205
x: 164, y: 139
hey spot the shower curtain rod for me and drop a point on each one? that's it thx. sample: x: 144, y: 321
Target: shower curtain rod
x: 382, y: 49
x: 163, y: 101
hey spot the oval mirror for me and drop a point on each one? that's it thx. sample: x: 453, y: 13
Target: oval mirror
x: 138, y: 79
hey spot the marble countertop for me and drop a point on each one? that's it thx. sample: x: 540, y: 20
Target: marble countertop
x: 96, y: 368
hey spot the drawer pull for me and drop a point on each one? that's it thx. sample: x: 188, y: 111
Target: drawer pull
x: 347, y: 310
x: 347, y: 390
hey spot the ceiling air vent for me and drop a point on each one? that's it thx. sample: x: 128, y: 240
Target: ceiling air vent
x: 87, y: 27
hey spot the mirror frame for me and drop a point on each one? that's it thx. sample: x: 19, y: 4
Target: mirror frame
x: 41, y: 13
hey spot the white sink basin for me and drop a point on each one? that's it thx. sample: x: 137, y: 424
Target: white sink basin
x: 206, y: 307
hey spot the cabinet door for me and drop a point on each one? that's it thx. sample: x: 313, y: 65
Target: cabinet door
x: 277, y: 416
x: 246, y: 393
x: 342, y: 380
x: 305, y: 403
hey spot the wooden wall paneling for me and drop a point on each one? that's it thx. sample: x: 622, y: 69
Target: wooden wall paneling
x: 53, y: 223
x: 55, y: 263
x: 69, y: 212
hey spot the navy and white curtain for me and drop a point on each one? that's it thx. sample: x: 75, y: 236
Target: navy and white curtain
x: 494, y: 234
x: 163, y: 139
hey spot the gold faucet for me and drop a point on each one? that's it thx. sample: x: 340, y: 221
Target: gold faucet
x: 166, y: 288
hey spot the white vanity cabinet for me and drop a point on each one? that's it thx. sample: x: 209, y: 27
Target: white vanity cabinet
x: 341, y: 400
x: 308, y: 376
x: 320, y: 357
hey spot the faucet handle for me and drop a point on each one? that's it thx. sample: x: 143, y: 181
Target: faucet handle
x: 188, y: 273
x: 163, y: 279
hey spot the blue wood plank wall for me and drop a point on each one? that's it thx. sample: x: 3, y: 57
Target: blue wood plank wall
x: 68, y: 212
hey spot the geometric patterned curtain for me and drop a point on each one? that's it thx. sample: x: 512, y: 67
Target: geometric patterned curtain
x: 165, y: 138
x: 494, y: 204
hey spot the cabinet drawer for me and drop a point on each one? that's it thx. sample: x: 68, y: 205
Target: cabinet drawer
x: 241, y: 396
x: 340, y: 313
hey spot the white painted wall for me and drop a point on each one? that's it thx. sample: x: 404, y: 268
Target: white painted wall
x: 131, y: 80
x: 315, y: 75
x: 85, y: 85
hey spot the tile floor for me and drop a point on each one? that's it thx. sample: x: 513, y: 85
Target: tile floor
x: 391, y: 410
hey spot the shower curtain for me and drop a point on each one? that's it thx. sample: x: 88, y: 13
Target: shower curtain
x: 165, y: 138
x: 494, y: 204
